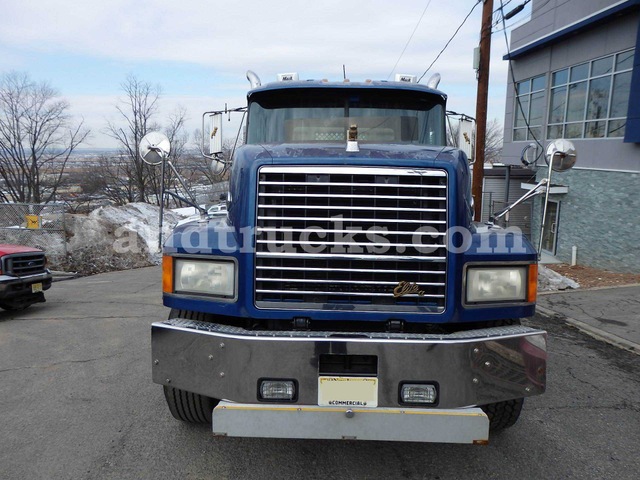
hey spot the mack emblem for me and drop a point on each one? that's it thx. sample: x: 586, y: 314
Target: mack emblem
x: 407, y: 288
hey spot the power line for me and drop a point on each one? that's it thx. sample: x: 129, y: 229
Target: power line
x: 450, y: 40
x: 410, y: 38
x: 513, y: 81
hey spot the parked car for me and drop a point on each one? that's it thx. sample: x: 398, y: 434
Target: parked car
x: 24, y: 276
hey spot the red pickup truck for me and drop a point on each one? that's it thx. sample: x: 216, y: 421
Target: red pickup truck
x: 23, y: 276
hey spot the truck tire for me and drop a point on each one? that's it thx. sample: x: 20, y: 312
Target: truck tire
x: 188, y: 406
x: 503, y: 414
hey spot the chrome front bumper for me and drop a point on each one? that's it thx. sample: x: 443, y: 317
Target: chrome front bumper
x: 471, y: 368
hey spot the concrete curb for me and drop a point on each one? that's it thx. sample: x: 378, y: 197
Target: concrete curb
x: 594, y: 332
x: 572, y: 290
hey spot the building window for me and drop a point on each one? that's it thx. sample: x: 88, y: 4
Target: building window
x: 529, y: 109
x: 590, y: 100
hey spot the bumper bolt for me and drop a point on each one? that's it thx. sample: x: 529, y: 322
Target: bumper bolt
x: 349, y: 413
x: 156, y: 362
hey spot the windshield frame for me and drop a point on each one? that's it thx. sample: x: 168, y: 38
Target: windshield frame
x: 409, y: 116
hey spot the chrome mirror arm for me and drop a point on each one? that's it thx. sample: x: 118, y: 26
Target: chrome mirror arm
x: 538, y: 189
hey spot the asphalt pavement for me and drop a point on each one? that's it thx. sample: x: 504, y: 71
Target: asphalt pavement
x: 609, y: 314
x: 77, y: 402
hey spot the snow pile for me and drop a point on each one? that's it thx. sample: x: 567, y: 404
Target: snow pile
x: 115, y: 238
x: 550, y: 281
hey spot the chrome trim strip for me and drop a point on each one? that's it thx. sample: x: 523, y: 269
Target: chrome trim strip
x: 327, y: 230
x: 344, y: 294
x: 375, y: 209
x: 381, y: 258
x: 346, y: 220
x: 320, y: 195
x: 356, y: 282
x: 341, y: 170
x: 367, y: 244
x: 364, y: 270
x: 342, y: 184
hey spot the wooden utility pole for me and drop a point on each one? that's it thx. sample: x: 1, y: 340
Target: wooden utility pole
x: 481, y: 106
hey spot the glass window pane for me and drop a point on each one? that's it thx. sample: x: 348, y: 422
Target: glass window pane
x: 539, y: 83
x: 524, y: 102
x: 560, y: 78
x: 579, y: 72
x: 573, y: 130
x: 620, y: 98
x: 576, y: 102
x: 557, y: 105
x: 598, y: 98
x: 524, y: 87
x: 519, y: 134
x: 624, y: 60
x: 602, y: 66
x: 594, y: 129
x: 554, y: 131
x: 537, y: 107
x: 616, y: 128
x: 534, y: 133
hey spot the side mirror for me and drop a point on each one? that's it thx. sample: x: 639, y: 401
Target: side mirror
x: 154, y: 148
x: 561, y: 155
x: 217, y: 167
x: 214, y: 134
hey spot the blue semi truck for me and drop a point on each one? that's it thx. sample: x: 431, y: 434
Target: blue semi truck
x: 345, y: 292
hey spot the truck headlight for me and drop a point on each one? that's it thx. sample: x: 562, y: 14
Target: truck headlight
x: 205, y: 277
x: 498, y: 284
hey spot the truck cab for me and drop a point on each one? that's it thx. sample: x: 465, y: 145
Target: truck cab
x: 346, y: 291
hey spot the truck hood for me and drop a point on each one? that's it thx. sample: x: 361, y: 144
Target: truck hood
x: 8, y: 249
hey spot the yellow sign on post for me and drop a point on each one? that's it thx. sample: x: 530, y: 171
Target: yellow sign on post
x: 33, y: 221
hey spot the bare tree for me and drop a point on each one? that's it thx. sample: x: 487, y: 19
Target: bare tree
x: 493, y: 142
x: 493, y: 139
x: 114, y: 178
x: 178, y: 138
x: 37, y: 137
x: 137, y: 110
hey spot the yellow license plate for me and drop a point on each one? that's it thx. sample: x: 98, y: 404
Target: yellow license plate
x: 348, y: 391
x: 36, y: 288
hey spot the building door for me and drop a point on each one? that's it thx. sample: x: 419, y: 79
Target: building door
x: 550, y: 237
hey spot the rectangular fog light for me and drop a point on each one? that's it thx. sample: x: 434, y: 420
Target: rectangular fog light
x: 284, y: 390
x: 418, y: 393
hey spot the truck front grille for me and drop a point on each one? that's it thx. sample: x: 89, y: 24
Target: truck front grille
x: 22, y: 264
x: 352, y: 238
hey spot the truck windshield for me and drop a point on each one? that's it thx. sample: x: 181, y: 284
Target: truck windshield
x: 324, y: 115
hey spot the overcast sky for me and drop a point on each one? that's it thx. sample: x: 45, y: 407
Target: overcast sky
x: 199, y: 50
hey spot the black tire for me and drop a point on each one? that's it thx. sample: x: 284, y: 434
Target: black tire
x: 188, y: 406
x: 503, y: 414
x: 13, y: 308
